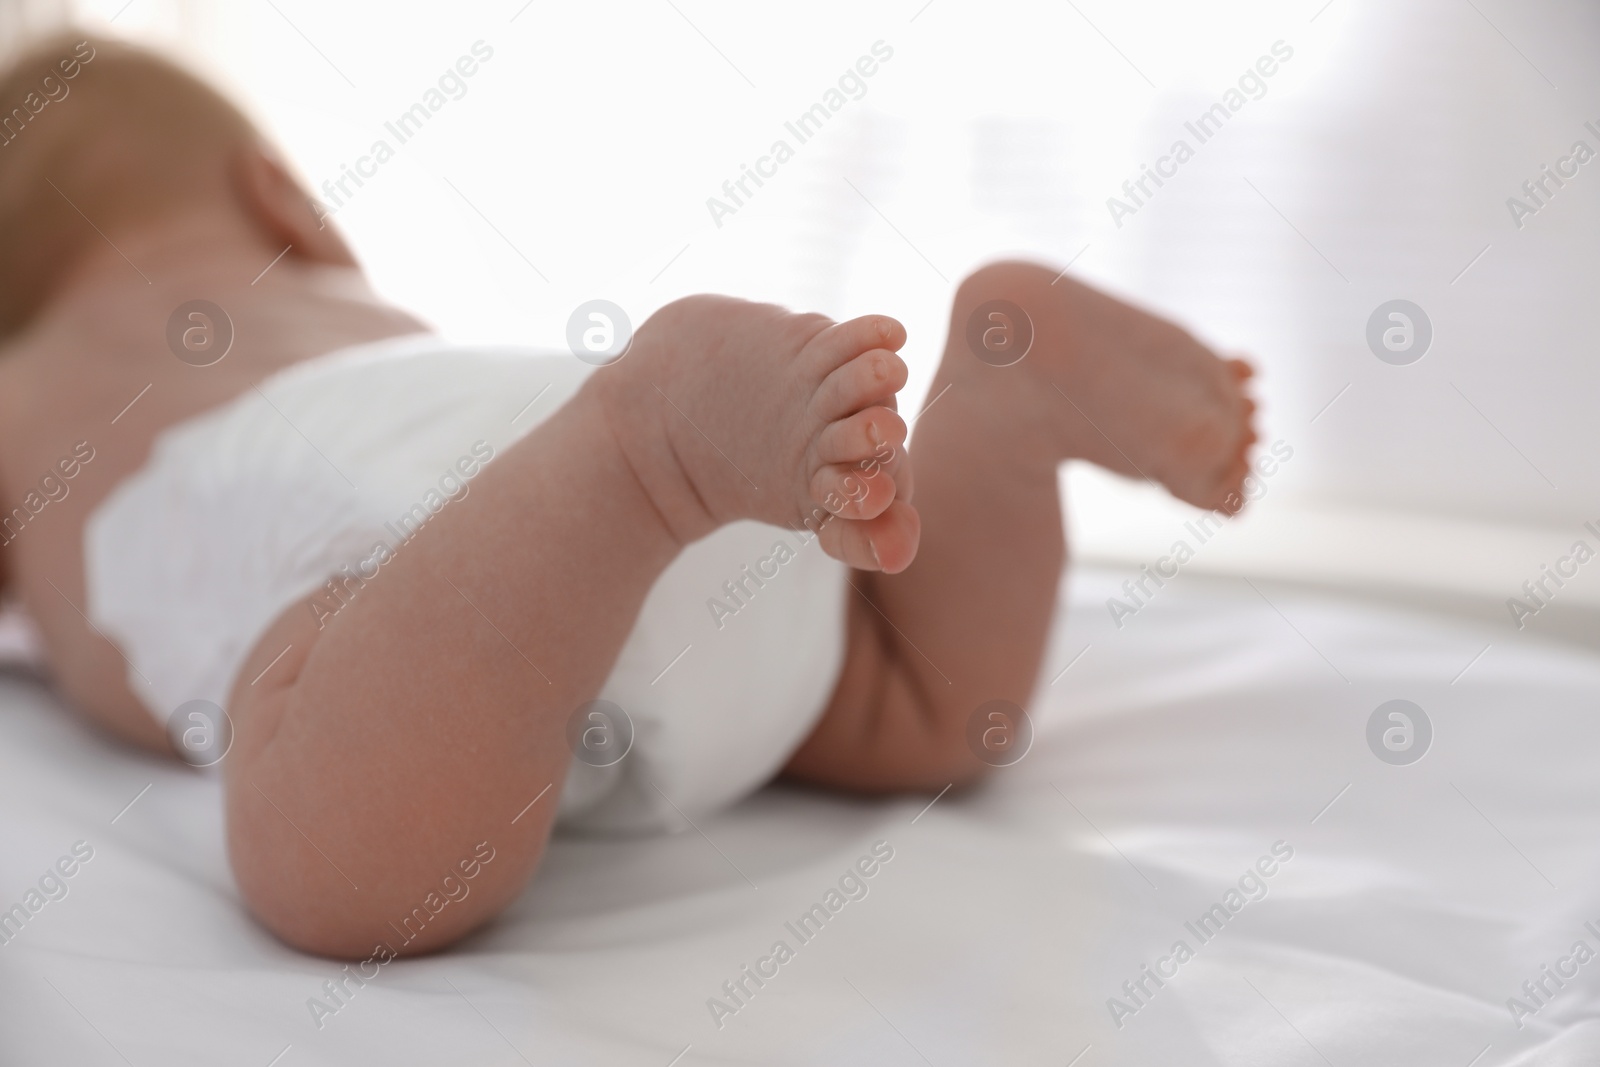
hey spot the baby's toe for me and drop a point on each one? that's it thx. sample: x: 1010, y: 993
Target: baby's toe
x: 872, y: 377
x: 851, y: 493
x: 887, y: 543
x: 875, y: 434
x: 843, y: 341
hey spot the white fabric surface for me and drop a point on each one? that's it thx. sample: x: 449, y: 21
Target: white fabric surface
x: 1170, y: 756
x: 330, y: 468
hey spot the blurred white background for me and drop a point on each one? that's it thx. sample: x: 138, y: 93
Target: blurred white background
x: 1377, y: 165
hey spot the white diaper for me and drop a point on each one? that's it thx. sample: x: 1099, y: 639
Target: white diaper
x: 245, y: 510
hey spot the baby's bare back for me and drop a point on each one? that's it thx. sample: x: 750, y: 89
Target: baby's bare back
x: 83, y: 396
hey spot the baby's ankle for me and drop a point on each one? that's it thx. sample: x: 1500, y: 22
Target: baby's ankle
x: 628, y: 402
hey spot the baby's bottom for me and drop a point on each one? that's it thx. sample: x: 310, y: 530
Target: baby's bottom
x: 413, y: 736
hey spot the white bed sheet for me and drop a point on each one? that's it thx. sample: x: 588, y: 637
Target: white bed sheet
x: 1170, y: 755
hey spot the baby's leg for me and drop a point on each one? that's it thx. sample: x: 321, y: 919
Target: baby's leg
x: 421, y: 736
x: 966, y: 622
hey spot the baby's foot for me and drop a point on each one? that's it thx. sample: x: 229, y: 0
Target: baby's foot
x: 1125, y: 389
x: 730, y: 410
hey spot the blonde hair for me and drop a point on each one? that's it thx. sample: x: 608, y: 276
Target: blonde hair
x: 98, y: 134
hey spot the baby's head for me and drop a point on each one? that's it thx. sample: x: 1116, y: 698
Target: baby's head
x: 101, y: 135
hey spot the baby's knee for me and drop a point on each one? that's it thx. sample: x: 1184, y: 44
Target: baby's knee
x: 381, y: 903
x: 1006, y: 279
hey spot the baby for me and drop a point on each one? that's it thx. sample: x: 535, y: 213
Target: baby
x: 408, y: 569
